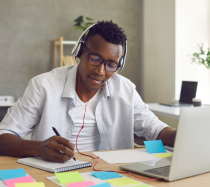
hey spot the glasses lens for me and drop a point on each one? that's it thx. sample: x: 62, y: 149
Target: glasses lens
x: 95, y: 60
x: 111, y: 66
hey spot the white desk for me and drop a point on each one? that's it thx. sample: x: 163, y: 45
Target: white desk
x: 167, y: 111
x: 6, y: 104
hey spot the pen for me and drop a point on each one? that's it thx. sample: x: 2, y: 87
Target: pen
x: 56, y: 132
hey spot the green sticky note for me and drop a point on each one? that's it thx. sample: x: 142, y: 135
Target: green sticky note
x: 32, y: 184
x: 163, y: 155
x: 122, y: 181
x: 69, y: 177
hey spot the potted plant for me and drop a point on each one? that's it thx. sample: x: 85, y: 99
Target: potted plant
x: 203, y: 57
x: 83, y: 24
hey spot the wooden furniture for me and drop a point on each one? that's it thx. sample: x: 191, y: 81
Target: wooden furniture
x: 64, y: 60
x: 40, y: 175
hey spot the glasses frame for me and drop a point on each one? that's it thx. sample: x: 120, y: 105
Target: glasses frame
x: 103, y: 61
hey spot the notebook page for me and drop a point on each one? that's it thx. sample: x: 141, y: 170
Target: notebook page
x: 46, y: 165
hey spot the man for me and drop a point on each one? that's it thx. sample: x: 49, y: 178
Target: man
x: 62, y: 98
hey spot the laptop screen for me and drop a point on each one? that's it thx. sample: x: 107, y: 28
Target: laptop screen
x: 188, y: 91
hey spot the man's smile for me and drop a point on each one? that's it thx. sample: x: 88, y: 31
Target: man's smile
x: 96, y: 79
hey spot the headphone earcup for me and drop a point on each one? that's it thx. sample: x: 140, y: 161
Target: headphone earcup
x: 79, y: 50
x: 121, y: 62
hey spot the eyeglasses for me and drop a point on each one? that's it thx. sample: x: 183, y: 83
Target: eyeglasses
x: 97, y: 61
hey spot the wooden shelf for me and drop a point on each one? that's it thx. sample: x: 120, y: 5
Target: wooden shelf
x: 64, y: 60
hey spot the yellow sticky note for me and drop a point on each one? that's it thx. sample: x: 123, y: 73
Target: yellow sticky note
x: 31, y: 184
x: 163, y: 155
x: 69, y: 177
x: 122, y: 181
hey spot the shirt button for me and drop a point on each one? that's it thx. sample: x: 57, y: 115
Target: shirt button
x: 69, y: 132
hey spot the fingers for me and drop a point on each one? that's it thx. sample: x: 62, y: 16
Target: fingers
x: 56, y: 149
x: 63, y: 145
x: 64, y: 141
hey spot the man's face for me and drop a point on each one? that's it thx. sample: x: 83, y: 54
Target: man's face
x: 94, y: 76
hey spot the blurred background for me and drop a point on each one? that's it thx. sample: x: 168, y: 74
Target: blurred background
x: 162, y: 36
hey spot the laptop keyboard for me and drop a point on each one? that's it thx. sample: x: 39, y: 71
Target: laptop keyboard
x: 163, y: 171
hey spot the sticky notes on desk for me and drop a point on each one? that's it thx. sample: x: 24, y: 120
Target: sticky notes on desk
x: 103, y: 175
x: 12, y: 173
x: 103, y: 185
x: 69, y: 177
x: 35, y: 184
x: 81, y: 184
x: 155, y: 146
x: 11, y: 182
x: 123, y: 181
x: 163, y: 155
x: 143, y: 185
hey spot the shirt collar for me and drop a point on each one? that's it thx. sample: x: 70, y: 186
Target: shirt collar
x: 70, y: 86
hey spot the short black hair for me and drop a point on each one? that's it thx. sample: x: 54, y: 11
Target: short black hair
x: 110, y: 31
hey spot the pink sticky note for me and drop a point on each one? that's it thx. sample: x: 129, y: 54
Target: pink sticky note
x: 81, y: 184
x: 11, y: 182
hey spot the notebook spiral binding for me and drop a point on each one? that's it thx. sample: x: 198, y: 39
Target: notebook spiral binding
x: 73, y: 167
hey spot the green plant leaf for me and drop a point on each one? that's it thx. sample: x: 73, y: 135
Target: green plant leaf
x: 78, y: 27
x: 89, y: 18
x: 79, y: 19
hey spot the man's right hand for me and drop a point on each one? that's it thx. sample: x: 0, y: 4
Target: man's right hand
x: 55, y: 149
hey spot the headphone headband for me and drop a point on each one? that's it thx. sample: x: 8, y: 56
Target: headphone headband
x: 77, y: 49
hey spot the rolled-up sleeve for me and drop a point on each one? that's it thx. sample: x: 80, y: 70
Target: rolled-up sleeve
x: 21, y: 118
x: 146, y: 124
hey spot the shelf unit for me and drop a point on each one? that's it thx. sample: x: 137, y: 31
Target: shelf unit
x: 68, y: 59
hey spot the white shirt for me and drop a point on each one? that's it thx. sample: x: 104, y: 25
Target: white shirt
x: 48, y: 101
x: 89, y: 137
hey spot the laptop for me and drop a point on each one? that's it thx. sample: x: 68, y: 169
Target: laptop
x: 191, y: 150
x: 188, y: 92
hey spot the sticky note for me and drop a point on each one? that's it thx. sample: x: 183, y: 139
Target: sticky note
x: 103, y: 175
x: 11, y: 182
x: 155, y: 146
x: 12, y: 173
x: 81, y: 184
x: 103, y: 185
x: 122, y: 182
x: 69, y: 177
x: 163, y: 155
x: 35, y: 184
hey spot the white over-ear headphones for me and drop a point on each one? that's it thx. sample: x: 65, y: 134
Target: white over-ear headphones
x: 78, y: 47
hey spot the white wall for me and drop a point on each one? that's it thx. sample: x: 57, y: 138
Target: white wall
x: 192, y: 28
x: 158, y: 50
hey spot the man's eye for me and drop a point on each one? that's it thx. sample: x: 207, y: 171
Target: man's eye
x: 112, y: 64
x: 95, y: 58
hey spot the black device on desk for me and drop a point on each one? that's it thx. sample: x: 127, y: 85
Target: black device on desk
x: 188, y: 92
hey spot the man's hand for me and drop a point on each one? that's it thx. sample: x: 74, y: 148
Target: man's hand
x: 56, y: 149
x: 167, y: 135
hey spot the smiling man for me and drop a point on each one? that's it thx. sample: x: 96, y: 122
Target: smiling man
x: 89, y: 97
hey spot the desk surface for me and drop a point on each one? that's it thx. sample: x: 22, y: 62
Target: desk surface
x: 163, y: 110
x: 40, y: 175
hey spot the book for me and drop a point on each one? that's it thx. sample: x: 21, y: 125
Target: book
x: 53, y: 167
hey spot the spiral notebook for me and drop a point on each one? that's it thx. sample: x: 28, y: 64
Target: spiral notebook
x: 53, y: 166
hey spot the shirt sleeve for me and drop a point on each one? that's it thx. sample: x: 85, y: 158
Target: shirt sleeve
x: 21, y: 118
x: 146, y: 124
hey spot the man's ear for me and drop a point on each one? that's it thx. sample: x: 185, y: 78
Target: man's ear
x: 82, y: 52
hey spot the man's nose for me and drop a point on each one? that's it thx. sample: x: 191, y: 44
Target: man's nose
x: 100, y: 70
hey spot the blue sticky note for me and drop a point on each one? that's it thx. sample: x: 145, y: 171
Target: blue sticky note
x: 103, y: 185
x: 155, y: 146
x: 12, y: 173
x: 103, y: 175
